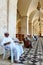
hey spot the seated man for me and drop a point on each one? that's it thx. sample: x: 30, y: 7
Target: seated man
x: 9, y: 43
x: 27, y: 42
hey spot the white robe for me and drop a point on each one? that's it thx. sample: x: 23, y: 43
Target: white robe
x: 18, y: 50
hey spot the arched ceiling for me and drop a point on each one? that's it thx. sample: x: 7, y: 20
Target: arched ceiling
x: 41, y: 2
x: 29, y: 8
x: 32, y: 15
x: 32, y: 7
x: 23, y: 6
x: 36, y: 16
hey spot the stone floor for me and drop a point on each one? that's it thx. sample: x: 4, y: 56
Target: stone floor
x: 34, y: 56
x: 7, y: 62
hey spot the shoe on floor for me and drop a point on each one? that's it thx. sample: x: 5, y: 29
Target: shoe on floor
x: 9, y: 58
x: 18, y: 62
x: 22, y: 59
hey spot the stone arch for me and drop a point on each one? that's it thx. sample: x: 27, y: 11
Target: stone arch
x: 31, y: 15
x: 30, y: 21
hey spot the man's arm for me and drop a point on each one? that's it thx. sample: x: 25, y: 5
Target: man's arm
x: 6, y: 43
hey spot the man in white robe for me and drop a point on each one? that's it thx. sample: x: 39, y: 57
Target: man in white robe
x: 9, y: 43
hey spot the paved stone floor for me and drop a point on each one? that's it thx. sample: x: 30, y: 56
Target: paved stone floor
x: 32, y: 56
x: 7, y: 62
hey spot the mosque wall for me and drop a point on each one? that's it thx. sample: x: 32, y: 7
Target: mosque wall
x: 8, y: 22
x: 3, y: 16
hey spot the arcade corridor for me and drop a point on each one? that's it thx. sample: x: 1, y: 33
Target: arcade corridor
x: 21, y: 18
x: 32, y: 56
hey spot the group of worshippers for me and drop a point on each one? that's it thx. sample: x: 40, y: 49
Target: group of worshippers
x: 9, y: 43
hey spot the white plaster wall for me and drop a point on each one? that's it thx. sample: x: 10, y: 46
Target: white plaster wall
x: 3, y: 16
x: 12, y: 17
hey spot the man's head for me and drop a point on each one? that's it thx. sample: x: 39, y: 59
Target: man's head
x: 6, y: 34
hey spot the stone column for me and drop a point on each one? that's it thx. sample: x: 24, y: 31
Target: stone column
x: 7, y: 15
x: 12, y: 17
x: 27, y: 25
x: 32, y: 29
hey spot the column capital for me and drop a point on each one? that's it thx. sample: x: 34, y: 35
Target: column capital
x: 28, y: 17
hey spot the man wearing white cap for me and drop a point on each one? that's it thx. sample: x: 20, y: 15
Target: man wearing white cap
x: 9, y: 43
